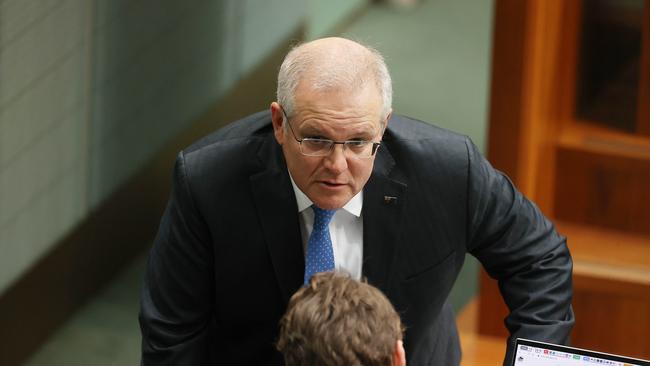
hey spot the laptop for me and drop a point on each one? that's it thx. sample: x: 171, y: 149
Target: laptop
x: 534, y: 353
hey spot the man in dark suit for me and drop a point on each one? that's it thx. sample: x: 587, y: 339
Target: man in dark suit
x: 244, y: 226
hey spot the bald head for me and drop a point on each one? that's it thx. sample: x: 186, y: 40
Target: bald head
x: 333, y: 64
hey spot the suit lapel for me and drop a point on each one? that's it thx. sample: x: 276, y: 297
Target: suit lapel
x: 383, y: 205
x: 278, y: 215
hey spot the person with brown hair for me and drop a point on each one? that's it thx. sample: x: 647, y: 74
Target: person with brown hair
x: 336, y: 320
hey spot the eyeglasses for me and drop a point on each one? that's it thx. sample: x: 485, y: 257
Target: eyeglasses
x: 322, y: 147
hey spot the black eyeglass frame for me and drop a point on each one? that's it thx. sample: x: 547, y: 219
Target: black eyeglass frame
x: 375, y: 145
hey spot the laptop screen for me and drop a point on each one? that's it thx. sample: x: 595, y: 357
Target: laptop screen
x: 533, y: 353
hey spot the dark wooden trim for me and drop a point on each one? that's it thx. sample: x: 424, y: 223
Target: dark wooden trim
x: 643, y: 123
x: 112, y: 236
x: 507, y: 85
x: 506, y: 113
x: 492, y: 310
x: 526, y: 109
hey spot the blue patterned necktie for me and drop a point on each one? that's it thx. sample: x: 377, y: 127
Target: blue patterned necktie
x: 320, y: 255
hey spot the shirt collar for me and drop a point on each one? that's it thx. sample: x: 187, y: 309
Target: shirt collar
x: 353, y: 206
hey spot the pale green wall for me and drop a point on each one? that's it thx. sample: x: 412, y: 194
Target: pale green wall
x: 267, y: 24
x: 44, y: 106
x: 325, y: 15
x: 438, y: 54
x: 91, y: 90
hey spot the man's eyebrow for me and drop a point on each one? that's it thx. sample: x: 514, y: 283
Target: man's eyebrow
x: 308, y: 129
x: 364, y: 131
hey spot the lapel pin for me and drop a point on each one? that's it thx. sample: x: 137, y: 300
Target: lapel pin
x: 390, y: 200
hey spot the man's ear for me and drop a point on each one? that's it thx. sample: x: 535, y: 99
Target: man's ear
x: 399, y: 355
x: 390, y: 113
x: 277, y: 120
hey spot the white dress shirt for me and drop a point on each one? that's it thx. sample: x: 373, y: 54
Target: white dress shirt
x: 346, y: 231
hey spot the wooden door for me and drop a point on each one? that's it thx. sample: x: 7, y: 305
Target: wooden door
x: 570, y: 124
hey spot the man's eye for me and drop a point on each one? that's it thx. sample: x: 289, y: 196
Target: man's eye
x: 356, y: 143
x: 317, y: 141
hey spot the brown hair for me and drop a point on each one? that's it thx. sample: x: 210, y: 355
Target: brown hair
x: 336, y: 320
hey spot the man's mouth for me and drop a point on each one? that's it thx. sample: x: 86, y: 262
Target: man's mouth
x: 331, y: 184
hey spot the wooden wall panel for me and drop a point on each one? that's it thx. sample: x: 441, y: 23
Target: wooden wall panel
x: 492, y: 309
x: 603, y: 190
x: 506, y: 92
x: 612, y: 314
x: 644, y: 86
x: 593, y: 178
x: 525, y: 110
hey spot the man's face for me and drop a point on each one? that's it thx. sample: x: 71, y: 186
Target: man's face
x: 330, y: 181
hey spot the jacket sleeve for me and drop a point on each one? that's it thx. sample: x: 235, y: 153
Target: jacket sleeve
x: 520, y: 248
x: 177, y: 295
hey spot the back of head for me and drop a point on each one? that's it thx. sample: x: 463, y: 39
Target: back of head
x: 336, y: 320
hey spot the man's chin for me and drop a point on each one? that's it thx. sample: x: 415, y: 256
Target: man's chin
x: 331, y: 203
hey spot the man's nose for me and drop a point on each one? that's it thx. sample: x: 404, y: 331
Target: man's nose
x: 336, y: 161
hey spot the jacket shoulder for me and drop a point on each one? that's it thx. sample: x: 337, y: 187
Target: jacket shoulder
x: 406, y: 128
x: 417, y: 139
x: 257, y: 124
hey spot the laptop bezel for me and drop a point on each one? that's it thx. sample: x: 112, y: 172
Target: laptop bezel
x: 579, y: 351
